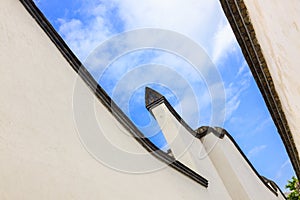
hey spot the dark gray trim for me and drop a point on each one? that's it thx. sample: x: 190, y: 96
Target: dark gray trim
x: 274, y: 185
x: 104, y: 98
x: 270, y: 183
x: 251, y: 166
x: 217, y: 131
x: 157, y: 99
x: 237, y: 15
x: 154, y: 98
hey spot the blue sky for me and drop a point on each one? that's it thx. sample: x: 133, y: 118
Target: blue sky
x: 85, y: 24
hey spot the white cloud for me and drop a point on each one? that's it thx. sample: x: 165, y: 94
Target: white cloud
x: 90, y: 29
x: 282, y: 168
x: 232, y: 105
x: 242, y: 69
x: 256, y: 150
x: 195, y: 18
x: 201, y: 20
x: 83, y: 38
x: 224, y: 42
x: 235, y: 89
x: 262, y: 124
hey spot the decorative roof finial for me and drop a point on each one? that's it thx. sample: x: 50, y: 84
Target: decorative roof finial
x: 151, y: 96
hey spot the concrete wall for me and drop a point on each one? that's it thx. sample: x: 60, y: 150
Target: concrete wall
x: 41, y: 154
x: 277, y: 27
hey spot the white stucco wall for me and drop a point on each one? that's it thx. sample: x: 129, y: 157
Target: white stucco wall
x: 42, y: 156
x: 238, y: 177
x: 216, y: 159
x: 190, y: 151
x: 277, y: 27
x: 40, y: 150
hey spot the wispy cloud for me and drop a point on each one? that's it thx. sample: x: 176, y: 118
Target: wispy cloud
x: 224, y: 42
x: 196, y: 19
x: 193, y: 18
x: 235, y: 89
x: 282, y: 168
x: 89, y: 28
x: 256, y: 150
x: 243, y: 70
x: 201, y: 20
x: 262, y: 123
x: 232, y: 105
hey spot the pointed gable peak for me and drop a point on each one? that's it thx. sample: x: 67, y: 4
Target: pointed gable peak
x: 151, y: 97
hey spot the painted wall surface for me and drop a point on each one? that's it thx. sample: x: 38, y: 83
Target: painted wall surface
x: 217, y: 159
x: 190, y: 151
x: 277, y: 27
x: 41, y: 154
x: 238, y: 177
x: 43, y: 126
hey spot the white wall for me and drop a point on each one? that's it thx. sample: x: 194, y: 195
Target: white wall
x: 238, y: 177
x: 42, y: 156
x: 190, y: 151
x: 229, y: 174
x: 277, y: 27
x: 40, y: 150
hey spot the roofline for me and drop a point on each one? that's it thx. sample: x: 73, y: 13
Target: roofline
x: 104, y: 98
x: 239, y: 19
x: 155, y: 99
